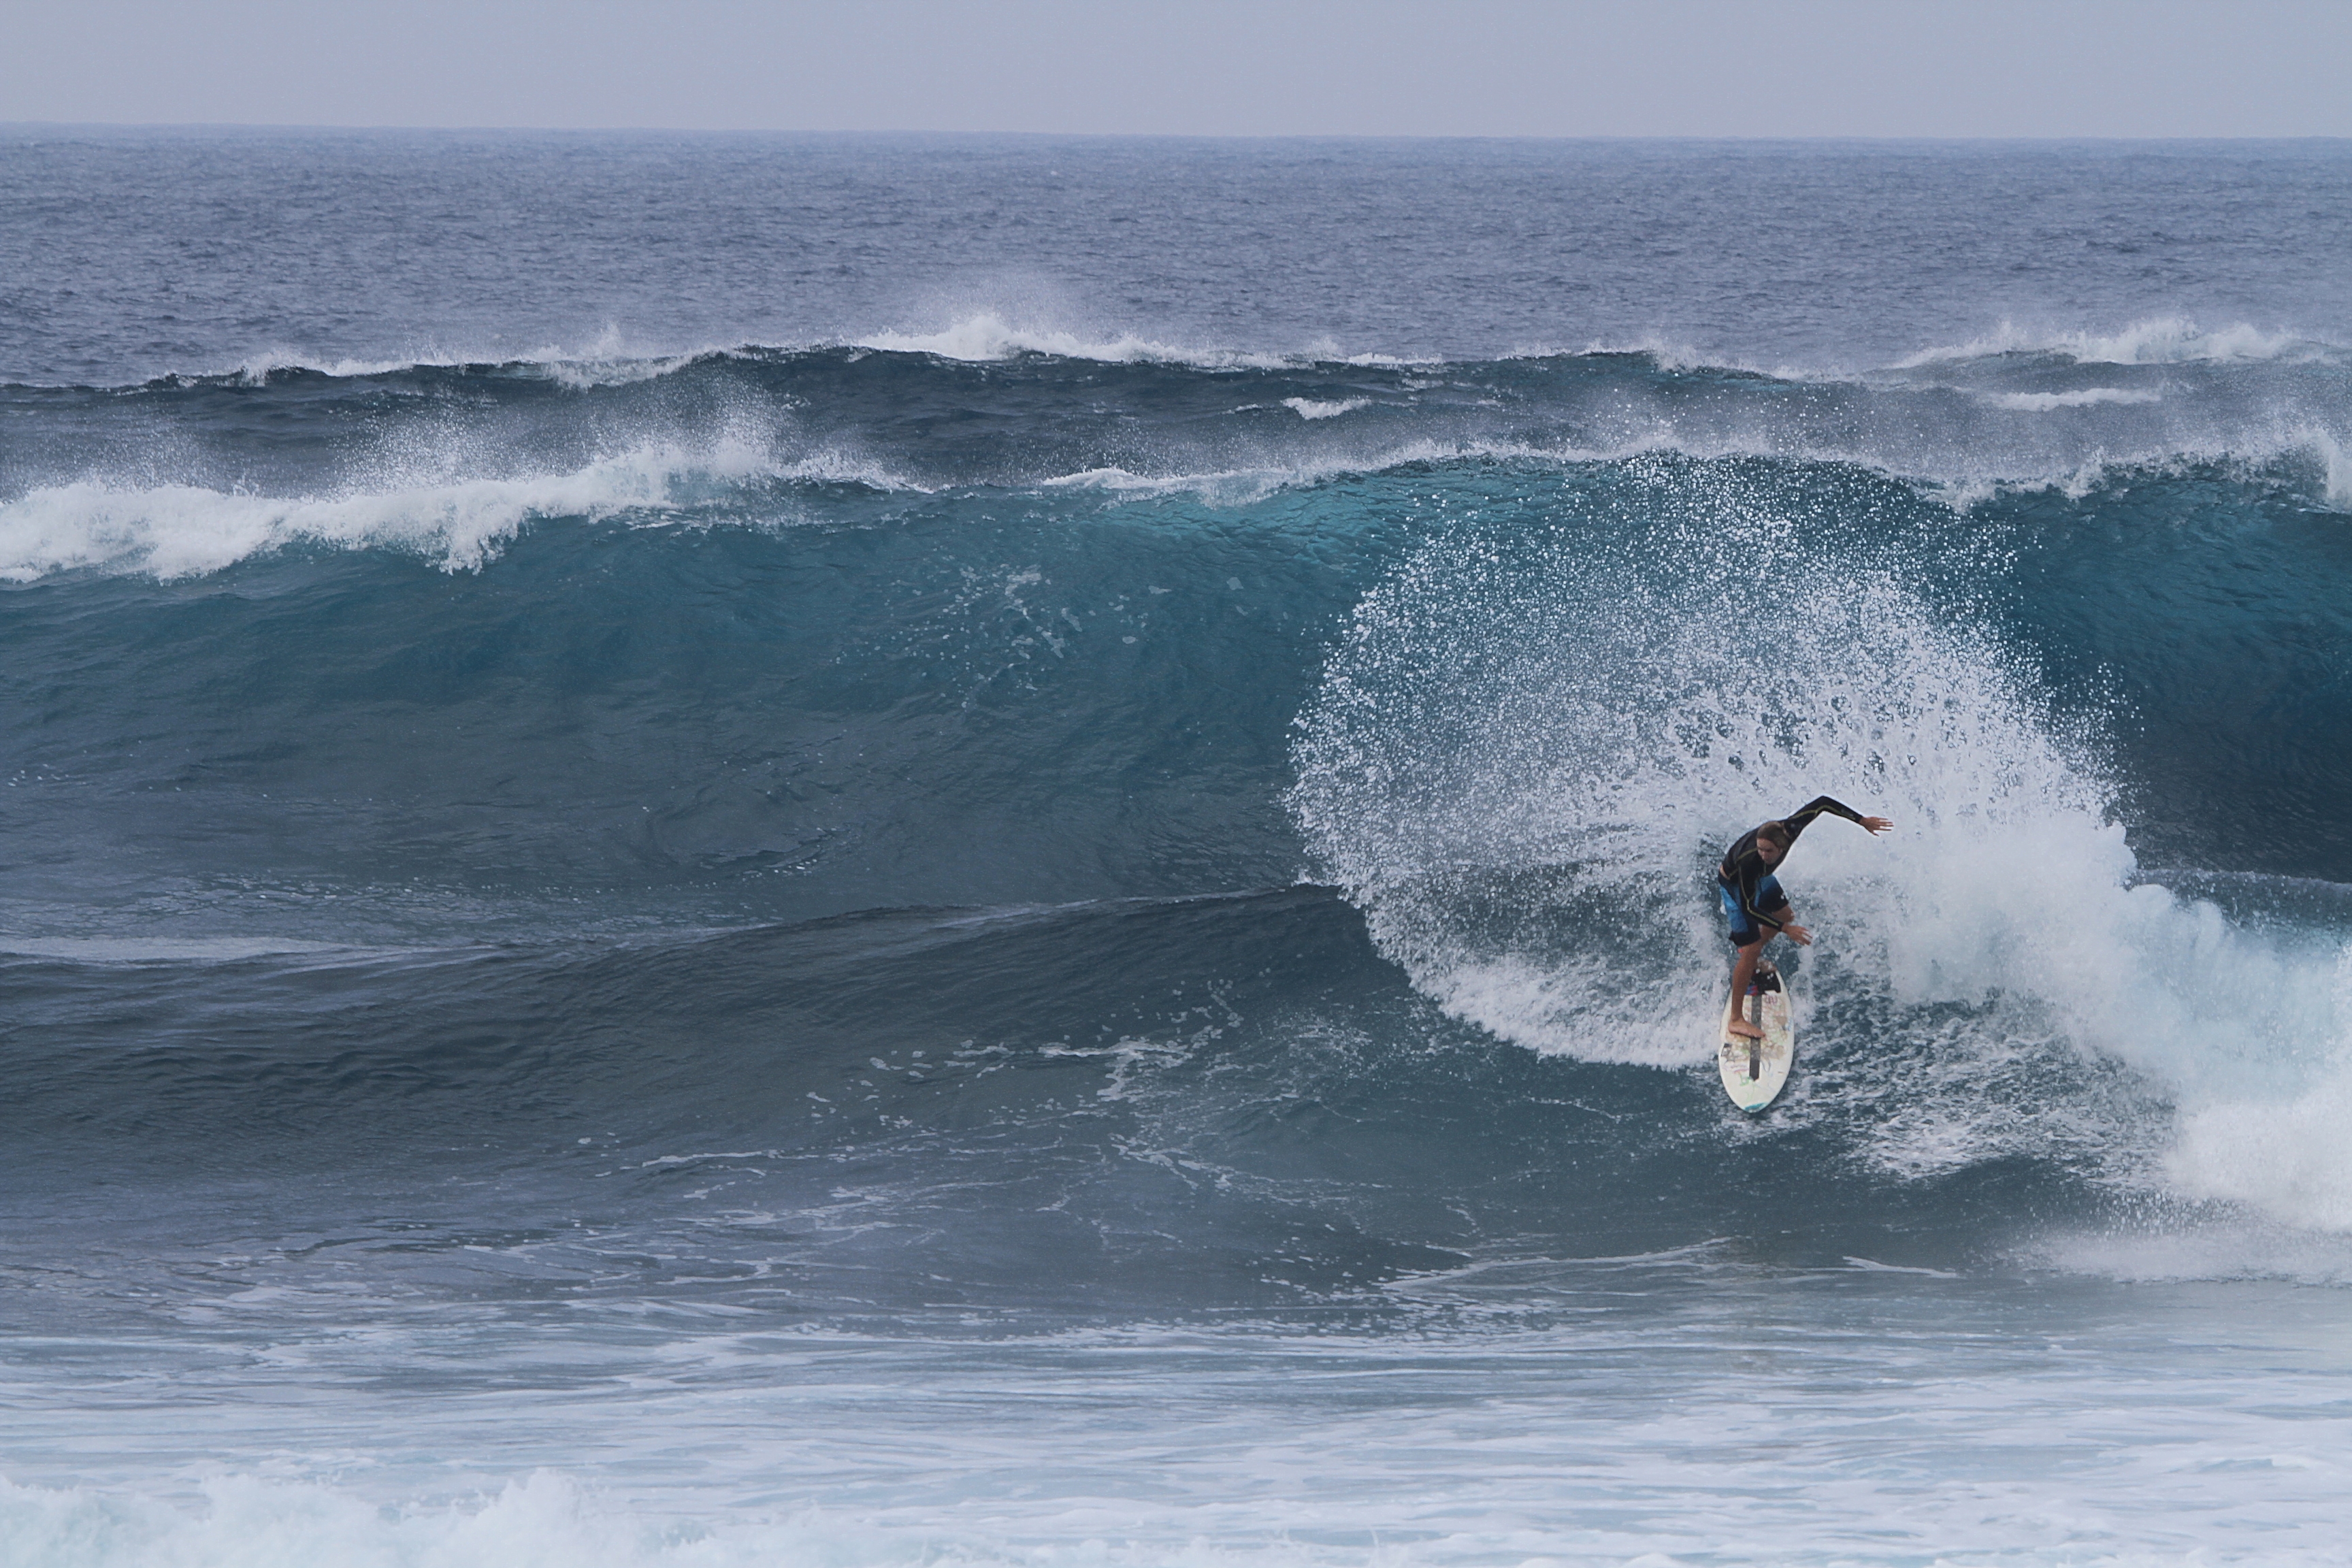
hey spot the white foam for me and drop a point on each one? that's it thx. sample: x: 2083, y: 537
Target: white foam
x: 176, y: 530
x: 1230, y: 487
x: 585, y: 373
x: 1959, y: 480
x: 1599, y: 1447
x: 734, y: 1155
x: 2089, y: 398
x: 988, y: 336
x: 2335, y: 462
x: 2288, y: 1154
x: 609, y: 359
x: 2161, y: 340
x: 545, y: 1520
x: 1239, y: 487
x: 1666, y: 354
x: 2247, y: 452
x: 2235, y: 1246
x: 1309, y: 408
x: 1962, y: 473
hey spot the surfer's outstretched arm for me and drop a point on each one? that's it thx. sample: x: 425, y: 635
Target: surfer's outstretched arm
x: 1803, y: 817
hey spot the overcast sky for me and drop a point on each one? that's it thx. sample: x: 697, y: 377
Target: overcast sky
x: 1481, y: 68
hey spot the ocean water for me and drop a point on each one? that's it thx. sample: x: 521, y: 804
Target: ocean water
x: 996, y: 851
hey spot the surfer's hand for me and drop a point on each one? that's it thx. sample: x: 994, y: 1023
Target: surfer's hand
x: 1798, y: 934
x: 1878, y: 824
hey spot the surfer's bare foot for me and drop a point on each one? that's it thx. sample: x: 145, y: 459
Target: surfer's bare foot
x: 1743, y: 1029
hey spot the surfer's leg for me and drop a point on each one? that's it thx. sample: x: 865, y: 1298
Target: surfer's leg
x: 1743, y: 970
x: 1749, y: 943
x: 1772, y: 900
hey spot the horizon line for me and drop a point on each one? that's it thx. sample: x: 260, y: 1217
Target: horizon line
x: 1848, y: 137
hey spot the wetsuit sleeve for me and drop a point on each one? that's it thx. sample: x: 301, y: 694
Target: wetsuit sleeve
x: 1803, y: 817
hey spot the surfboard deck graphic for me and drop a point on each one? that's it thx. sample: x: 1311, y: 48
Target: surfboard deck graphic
x: 1754, y: 1070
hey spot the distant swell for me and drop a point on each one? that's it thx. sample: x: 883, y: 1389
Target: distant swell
x: 184, y: 477
x: 2163, y: 339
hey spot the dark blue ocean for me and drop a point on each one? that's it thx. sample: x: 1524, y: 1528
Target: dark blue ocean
x: 865, y: 851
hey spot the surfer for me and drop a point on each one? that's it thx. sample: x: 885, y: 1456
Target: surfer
x: 1752, y: 898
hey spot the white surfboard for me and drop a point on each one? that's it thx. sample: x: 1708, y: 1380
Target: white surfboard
x: 1754, y: 1070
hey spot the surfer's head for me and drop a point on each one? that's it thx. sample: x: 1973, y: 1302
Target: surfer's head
x: 1772, y: 842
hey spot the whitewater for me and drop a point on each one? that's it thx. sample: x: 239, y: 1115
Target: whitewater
x: 730, y: 850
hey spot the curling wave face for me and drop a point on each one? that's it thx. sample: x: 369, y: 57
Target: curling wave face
x: 1540, y: 730
x: 1510, y: 706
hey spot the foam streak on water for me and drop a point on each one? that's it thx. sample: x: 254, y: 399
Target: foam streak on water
x: 1745, y: 1419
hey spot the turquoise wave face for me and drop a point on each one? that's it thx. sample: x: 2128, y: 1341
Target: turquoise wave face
x: 1500, y: 713
x: 779, y: 697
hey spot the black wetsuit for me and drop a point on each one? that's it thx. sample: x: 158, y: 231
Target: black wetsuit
x: 1748, y: 884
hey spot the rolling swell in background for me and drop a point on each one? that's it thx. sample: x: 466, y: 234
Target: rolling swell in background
x: 913, y: 886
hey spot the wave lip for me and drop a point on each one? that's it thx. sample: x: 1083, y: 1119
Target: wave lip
x: 176, y: 530
x: 577, y: 371
x: 2158, y: 340
x: 1240, y: 486
x: 608, y: 360
x: 988, y: 336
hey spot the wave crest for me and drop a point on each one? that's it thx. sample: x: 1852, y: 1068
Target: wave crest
x: 987, y: 336
x: 176, y: 530
x: 2156, y: 340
